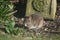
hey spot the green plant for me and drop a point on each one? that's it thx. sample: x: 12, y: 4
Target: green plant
x: 16, y: 31
x: 5, y: 9
x: 9, y: 26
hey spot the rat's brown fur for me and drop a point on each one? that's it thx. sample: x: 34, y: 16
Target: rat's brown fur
x: 35, y: 21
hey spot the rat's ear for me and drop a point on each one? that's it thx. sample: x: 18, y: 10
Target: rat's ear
x: 28, y: 17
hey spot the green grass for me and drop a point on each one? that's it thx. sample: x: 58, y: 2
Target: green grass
x: 24, y: 35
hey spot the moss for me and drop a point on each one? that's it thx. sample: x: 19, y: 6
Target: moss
x: 46, y: 8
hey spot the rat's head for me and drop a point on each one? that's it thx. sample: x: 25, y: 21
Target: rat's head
x: 28, y: 22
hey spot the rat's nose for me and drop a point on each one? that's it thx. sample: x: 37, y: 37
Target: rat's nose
x: 25, y: 24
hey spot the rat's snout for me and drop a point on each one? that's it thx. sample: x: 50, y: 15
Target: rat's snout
x: 25, y: 24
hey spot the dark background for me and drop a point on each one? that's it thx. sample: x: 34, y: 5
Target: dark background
x: 21, y: 7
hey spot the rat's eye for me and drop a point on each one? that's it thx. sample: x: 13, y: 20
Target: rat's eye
x: 27, y: 20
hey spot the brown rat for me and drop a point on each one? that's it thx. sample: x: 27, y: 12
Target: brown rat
x: 34, y: 21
